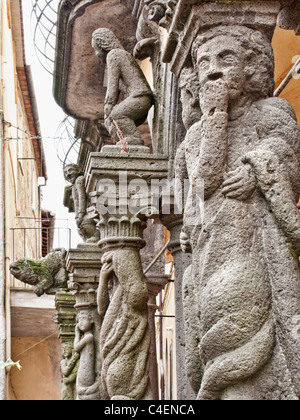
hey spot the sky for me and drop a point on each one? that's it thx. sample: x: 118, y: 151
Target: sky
x: 50, y: 117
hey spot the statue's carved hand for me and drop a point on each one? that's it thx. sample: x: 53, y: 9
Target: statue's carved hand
x: 214, y: 97
x: 144, y: 48
x: 240, y: 184
x: 185, y: 243
x: 107, y: 264
x: 39, y: 291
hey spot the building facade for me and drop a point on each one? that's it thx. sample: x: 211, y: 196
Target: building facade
x: 25, y: 227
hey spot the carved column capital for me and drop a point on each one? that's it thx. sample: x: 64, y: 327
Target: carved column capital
x: 84, y: 264
x: 188, y: 19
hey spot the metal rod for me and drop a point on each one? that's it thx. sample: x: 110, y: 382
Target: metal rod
x: 157, y: 257
x: 295, y: 70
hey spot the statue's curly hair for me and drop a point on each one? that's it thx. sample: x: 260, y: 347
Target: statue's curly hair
x: 105, y: 39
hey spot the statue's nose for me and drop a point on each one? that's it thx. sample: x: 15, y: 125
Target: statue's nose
x: 215, y: 75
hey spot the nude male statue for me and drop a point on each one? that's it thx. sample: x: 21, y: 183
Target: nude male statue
x: 125, y: 78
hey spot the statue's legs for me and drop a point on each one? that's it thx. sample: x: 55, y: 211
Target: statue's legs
x: 237, y: 325
x: 125, y: 116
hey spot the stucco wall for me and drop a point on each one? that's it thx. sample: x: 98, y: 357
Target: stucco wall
x: 39, y: 378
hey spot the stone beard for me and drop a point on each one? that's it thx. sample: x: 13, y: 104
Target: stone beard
x: 242, y: 291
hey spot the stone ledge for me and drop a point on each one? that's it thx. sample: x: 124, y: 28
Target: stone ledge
x: 32, y: 316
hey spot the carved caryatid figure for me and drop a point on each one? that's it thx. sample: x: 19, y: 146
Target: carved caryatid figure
x: 87, y: 387
x: 124, y: 338
x: 242, y: 292
x: 126, y: 79
x: 86, y: 226
x: 69, y: 368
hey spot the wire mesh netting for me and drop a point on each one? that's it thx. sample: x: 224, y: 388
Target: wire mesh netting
x: 67, y: 145
x: 43, y: 27
x: 43, y: 23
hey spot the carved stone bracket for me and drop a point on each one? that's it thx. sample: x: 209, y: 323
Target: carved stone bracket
x: 192, y: 18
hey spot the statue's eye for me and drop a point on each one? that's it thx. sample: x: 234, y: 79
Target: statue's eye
x: 227, y: 57
x: 203, y: 63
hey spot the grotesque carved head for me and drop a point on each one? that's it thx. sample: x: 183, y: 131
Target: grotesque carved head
x: 26, y: 271
x: 71, y: 172
x: 241, y: 56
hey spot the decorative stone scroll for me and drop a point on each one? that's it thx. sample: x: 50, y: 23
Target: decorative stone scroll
x: 241, y: 223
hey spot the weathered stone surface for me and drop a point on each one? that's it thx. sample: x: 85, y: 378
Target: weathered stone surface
x: 47, y: 275
x: 242, y: 290
x: 84, y: 264
x: 125, y: 335
x: 86, y: 225
x: 124, y: 79
x: 289, y: 17
x: 66, y: 319
x: 87, y: 387
x: 190, y: 17
x: 123, y: 294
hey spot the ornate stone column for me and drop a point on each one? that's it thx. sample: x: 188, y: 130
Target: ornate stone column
x: 241, y: 292
x: 122, y: 199
x: 84, y: 264
x: 66, y: 319
x: 181, y: 263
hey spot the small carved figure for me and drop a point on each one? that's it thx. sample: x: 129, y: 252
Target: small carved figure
x: 242, y: 292
x: 69, y: 368
x: 47, y: 275
x: 124, y: 337
x: 86, y: 386
x: 129, y: 96
x: 86, y: 226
